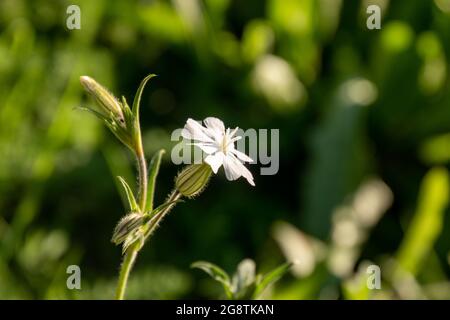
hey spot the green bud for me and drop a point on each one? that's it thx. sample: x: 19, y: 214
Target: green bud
x: 193, y: 179
x: 105, y: 100
x: 127, y: 226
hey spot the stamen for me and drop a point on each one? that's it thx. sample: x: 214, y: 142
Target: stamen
x: 233, y: 132
x: 233, y: 140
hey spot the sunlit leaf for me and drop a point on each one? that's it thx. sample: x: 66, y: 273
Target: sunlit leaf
x: 137, y: 99
x: 270, y: 278
x: 216, y: 273
x: 154, y: 217
x: 152, y: 174
x: 131, y: 199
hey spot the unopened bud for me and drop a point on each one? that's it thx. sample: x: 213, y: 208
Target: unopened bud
x: 127, y: 226
x: 105, y: 100
x: 193, y: 179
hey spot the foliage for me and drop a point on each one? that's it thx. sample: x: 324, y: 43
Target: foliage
x: 244, y: 284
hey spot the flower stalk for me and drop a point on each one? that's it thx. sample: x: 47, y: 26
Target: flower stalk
x: 142, y: 169
x: 125, y: 269
x: 132, y: 252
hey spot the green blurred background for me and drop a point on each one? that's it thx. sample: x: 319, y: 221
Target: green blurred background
x: 364, y: 119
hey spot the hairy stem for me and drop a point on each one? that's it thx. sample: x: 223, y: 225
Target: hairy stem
x: 131, y: 254
x: 127, y: 264
x: 143, y: 180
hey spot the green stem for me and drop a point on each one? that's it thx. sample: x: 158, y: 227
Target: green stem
x: 127, y: 264
x: 143, y: 179
x: 131, y: 254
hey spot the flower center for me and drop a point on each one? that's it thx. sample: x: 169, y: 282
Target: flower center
x: 224, y: 144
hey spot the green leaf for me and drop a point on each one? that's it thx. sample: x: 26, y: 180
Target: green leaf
x: 216, y: 273
x: 131, y: 200
x: 152, y: 174
x: 95, y: 113
x: 128, y: 114
x: 120, y: 133
x: 125, y: 107
x: 160, y: 208
x: 270, y: 278
x: 152, y: 218
x: 137, y: 100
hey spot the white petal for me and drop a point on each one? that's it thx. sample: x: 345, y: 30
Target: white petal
x: 232, y: 171
x: 235, y: 169
x: 195, y: 131
x: 242, y: 156
x: 215, y: 161
x: 185, y: 133
x: 207, y: 148
x: 214, y: 124
x: 217, y: 136
x: 248, y: 175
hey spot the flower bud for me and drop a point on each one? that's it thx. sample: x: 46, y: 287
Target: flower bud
x: 105, y: 100
x: 127, y: 226
x: 193, y: 179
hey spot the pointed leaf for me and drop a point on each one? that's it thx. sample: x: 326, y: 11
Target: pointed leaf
x: 125, y: 107
x: 119, y: 133
x: 131, y: 200
x: 216, y: 273
x: 152, y: 174
x: 164, y: 206
x: 153, y: 218
x: 137, y: 99
x: 128, y: 114
x: 95, y: 113
x: 270, y: 278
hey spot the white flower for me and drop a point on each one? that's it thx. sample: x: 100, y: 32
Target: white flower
x: 218, y: 144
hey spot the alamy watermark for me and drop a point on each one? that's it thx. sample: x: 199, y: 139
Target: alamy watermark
x: 374, y: 18
x: 374, y: 277
x: 73, y: 20
x: 74, y: 279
